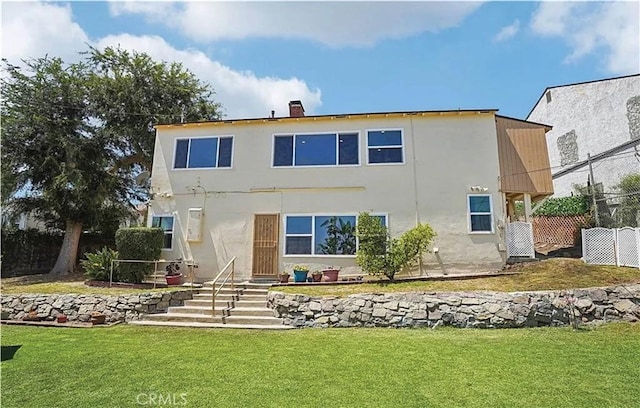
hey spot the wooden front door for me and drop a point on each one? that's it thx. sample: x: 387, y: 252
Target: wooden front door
x: 266, y: 230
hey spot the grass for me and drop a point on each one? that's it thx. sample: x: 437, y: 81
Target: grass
x: 122, y: 365
x: 47, y: 284
x: 549, y: 274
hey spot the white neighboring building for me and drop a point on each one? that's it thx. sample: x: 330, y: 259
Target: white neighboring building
x: 600, y: 118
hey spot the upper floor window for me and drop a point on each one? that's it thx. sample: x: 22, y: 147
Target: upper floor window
x: 385, y: 146
x: 203, y: 152
x: 480, y: 213
x: 321, y: 149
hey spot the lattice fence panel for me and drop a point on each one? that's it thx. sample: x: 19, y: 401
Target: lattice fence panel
x: 560, y: 230
x: 598, y: 246
x: 627, y: 242
x: 520, y: 239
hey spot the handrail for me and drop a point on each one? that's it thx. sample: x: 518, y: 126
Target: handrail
x: 215, y: 292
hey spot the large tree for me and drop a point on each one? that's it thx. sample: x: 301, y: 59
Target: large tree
x: 75, y: 135
x: 133, y: 92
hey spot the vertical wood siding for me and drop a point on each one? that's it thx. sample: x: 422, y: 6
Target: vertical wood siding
x: 523, y: 157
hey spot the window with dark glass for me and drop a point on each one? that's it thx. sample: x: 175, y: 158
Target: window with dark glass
x: 322, y: 234
x: 166, y: 223
x: 480, y: 213
x: 322, y: 149
x: 203, y: 153
x: 385, y: 146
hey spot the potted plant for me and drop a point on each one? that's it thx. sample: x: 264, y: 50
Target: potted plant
x: 331, y: 274
x: 98, y: 318
x: 284, y: 277
x: 316, y: 276
x: 300, y: 273
x: 61, y: 318
x: 172, y: 275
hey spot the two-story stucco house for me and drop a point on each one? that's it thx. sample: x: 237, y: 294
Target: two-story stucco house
x: 265, y: 190
x: 600, y: 119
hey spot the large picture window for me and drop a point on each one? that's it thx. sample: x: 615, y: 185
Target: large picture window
x: 480, y: 213
x: 166, y: 223
x: 203, y: 153
x: 322, y: 234
x: 321, y: 149
x: 385, y: 146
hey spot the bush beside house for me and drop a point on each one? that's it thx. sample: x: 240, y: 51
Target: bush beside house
x: 139, y: 243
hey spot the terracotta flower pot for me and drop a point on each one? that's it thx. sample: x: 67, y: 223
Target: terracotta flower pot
x: 61, y: 318
x: 284, y: 278
x: 98, y: 318
x: 174, y: 279
x: 317, y: 277
x: 331, y: 275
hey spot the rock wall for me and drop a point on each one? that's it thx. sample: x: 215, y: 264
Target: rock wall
x: 79, y: 307
x: 466, y: 309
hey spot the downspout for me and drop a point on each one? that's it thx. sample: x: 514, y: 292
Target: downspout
x: 415, y: 184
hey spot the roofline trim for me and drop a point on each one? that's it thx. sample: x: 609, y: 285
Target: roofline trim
x: 331, y: 116
x: 578, y: 83
x: 547, y: 127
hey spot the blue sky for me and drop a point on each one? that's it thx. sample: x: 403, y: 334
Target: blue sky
x: 340, y: 57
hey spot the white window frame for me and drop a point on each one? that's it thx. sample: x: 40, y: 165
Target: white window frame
x: 469, y: 213
x: 189, y: 138
x: 320, y: 132
x: 173, y: 230
x: 402, y: 146
x: 313, y: 232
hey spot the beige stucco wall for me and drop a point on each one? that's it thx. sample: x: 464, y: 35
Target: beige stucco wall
x: 444, y: 156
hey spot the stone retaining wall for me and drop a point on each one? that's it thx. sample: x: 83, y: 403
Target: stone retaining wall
x: 466, y: 309
x: 79, y: 307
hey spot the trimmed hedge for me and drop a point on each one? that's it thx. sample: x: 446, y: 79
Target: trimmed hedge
x: 26, y: 252
x: 138, y: 243
x: 573, y: 205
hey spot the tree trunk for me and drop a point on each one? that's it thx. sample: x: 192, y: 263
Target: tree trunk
x: 66, y: 262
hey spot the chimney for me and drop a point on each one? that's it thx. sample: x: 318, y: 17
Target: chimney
x: 296, y: 110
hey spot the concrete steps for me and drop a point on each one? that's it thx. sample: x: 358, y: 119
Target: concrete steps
x: 206, y: 303
x: 210, y: 325
x: 243, y: 307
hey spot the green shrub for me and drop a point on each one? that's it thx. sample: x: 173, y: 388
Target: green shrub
x: 29, y: 251
x: 97, y: 266
x: 138, y: 244
x: 379, y: 254
x: 573, y: 205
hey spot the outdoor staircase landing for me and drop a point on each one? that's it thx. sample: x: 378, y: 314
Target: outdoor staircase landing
x: 243, y: 307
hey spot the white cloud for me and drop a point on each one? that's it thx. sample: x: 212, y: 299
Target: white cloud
x: 332, y: 23
x: 611, y: 29
x: 35, y: 29
x: 242, y: 94
x: 507, y: 32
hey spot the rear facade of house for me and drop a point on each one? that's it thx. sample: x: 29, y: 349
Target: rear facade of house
x: 268, y: 191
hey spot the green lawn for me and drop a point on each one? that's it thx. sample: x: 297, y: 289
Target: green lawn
x: 122, y: 365
x: 551, y: 274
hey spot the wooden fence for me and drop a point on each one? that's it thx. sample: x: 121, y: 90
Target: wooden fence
x: 560, y: 230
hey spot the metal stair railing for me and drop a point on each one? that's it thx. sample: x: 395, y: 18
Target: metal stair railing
x: 230, y: 273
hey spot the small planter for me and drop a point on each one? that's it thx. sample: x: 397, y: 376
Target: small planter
x: 61, y: 318
x: 331, y: 275
x: 174, y: 279
x: 316, y: 276
x: 98, y: 318
x: 284, y: 278
x: 300, y: 276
